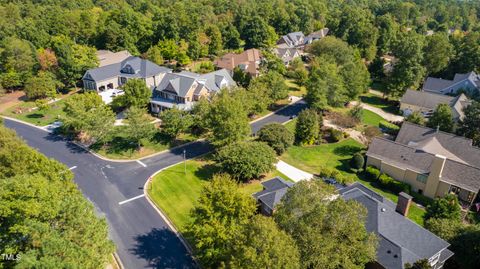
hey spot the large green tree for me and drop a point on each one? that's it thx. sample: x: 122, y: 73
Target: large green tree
x: 175, y: 121
x: 138, y: 125
x: 136, y: 93
x: 17, y: 62
x: 307, y: 127
x: 261, y: 244
x: 437, y: 53
x: 218, y: 217
x: 325, y: 86
x: 470, y: 125
x: 330, y: 233
x: 442, y: 118
x: 444, y: 208
x: 273, y: 84
x: 246, y: 160
x: 277, y: 136
x: 257, y: 33
x: 42, y: 85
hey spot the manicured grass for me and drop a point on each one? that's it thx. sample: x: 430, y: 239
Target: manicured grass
x: 25, y: 112
x: 377, y: 101
x: 120, y: 147
x: 338, y: 155
x: 371, y: 118
x: 176, y: 192
x: 295, y: 90
x: 291, y: 125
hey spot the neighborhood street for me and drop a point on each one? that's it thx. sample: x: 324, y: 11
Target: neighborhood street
x: 142, y: 237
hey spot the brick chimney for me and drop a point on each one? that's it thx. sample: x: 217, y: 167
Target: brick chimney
x: 403, y: 204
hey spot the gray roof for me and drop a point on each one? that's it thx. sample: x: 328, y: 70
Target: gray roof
x: 316, y: 35
x: 177, y: 83
x: 416, y: 159
x: 216, y: 80
x: 438, y: 85
x: 430, y: 100
x: 458, y: 145
x: 131, y: 67
x: 286, y: 54
x: 400, y: 240
x: 292, y: 39
x: 273, y: 191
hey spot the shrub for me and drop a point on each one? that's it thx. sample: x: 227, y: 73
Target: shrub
x: 389, y: 128
x: 246, y: 160
x: 371, y: 132
x: 396, y: 186
x: 357, y: 161
x: 342, y: 120
x: 327, y: 172
x: 356, y: 112
x: 307, y: 127
x: 372, y: 173
x: 385, y: 179
x: 276, y: 136
x: 336, y: 135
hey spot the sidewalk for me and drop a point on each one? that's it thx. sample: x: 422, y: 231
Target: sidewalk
x: 293, y: 173
x: 380, y: 112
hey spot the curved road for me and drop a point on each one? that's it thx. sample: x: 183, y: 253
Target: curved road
x: 141, y: 236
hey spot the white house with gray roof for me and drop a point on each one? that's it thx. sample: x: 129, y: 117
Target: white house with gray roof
x: 468, y: 82
x: 183, y: 89
x: 401, y: 241
x: 427, y: 102
x: 112, y: 76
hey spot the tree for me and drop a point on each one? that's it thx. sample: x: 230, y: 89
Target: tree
x: 228, y: 119
x: 356, y: 78
x: 87, y: 117
x: 154, y: 54
x: 258, y: 34
x: 408, y: 71
x: 328, y: 233
x: 138, y: 125
x: 271, y: 62
x: 218, y: 217
x: 241, y: 77
x: 420, y: 264
x: 356, y: 112
x: 444, y: 208
x: 47, y: 60
x: 307, y: 127
x: 470, y: 125
x: 437, y: 53
x: 215, y: 39
x: 17, y: 61
x: 261, y: 244
x: 298, y: 71
x: 333, y: 48
x: 136, y: 93
x: 42, y: 85
x: 416, y: 117
x: 442, y: 118
x: 276, y: 136
x: 467, y: 54
x: 273, y: 83
x: 357, y: 161
x: 175, y: 121
x: 325, y: 86
x: 246, y: 160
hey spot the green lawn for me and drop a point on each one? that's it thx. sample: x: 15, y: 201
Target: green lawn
x: 291, y: 125
x: 121, y: 147
x: 24, y: 112
x: 176, y: 192
x: 295, y: 90
x: 371, y: 118
x: 377, y: 101
x: 337, y: 155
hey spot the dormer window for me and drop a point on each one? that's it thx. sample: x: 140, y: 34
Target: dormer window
x: 128, y: 69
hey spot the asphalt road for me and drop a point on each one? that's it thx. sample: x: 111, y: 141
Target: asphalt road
x: 141, y: 236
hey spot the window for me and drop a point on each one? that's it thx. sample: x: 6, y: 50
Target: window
x: 422, y: 178
x: 454, y: 189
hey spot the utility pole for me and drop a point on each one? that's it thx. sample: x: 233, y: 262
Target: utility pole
x: 185, y: 160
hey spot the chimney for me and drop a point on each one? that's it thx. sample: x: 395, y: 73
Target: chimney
x: 436, y: 170
x: 403, y: 204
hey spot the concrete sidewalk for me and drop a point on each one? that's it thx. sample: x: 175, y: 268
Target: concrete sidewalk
x: 293, y: 173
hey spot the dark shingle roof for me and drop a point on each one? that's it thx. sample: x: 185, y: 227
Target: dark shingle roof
x: 426, y: 99
x: 437, y: 84
x: 273, y: 191
x: 400, y: 240
x: 142, y: 69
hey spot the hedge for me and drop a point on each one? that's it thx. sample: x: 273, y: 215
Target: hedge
x: 327, y: 172
x: 372, y: 173
x: 396, y: 186
x: 388, y: 127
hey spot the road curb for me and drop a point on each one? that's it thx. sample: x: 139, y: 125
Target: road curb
x: 24, y: 122
x: 273, y: 112
x: 117, y: 260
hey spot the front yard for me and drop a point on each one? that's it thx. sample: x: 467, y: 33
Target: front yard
x: 176, y: 192
x: 25, y: 111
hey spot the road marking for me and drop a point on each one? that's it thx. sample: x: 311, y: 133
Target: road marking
x: 142, y: 164
x: 131, y: 199
x: 73, y: 167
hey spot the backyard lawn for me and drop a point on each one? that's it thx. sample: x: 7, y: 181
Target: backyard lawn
x: 377, y: 101
x: 371, y: 118
x: 25, y: 112
x: 176, y: 192
x: 337, y: 155
x: 295, y: 90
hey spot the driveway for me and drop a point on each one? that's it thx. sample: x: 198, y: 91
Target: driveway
x: 142, y: 237
x: 292, y: 172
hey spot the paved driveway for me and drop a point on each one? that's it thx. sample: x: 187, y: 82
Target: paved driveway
x: 143, y: 239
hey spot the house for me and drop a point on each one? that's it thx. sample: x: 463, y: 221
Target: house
x: 427, y: 102
x: 468, y: 82
x: 291, y: 40
x: 317, y: 35
x: 114, y: 75
x: 400, y: 240
x: 287, y: 54
x: 273, y: 191
x: 249, y: 61
x: 185, y: 88
x: 106, y: 57
x: 432, y: 162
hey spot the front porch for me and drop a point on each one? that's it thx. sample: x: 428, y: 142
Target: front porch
x: 466, y: 198
x: 158, y: 104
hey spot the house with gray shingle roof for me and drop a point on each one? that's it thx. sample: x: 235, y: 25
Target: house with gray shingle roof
x: 273, y: 191
x: 185, y: 88
x: 432, y: 162
x: 468, y: 82
x: 112, y: 76
x: 291, y: 40
x: 401, y: 241
x: 427, y: 102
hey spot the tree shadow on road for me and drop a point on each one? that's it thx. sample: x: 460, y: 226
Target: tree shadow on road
x: 162, y: 249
